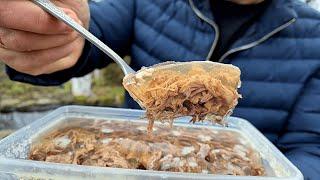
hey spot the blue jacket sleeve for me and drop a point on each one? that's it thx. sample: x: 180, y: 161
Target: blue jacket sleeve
x: 112, y: 22
x: 301, y: 141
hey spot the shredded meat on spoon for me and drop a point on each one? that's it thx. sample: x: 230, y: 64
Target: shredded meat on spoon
x: 191, y: 89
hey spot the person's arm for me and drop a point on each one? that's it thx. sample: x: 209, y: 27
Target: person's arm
x: 112, y: 22
x: 301, y: 141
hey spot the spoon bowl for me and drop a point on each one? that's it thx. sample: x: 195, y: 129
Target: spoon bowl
x: 174, y: 89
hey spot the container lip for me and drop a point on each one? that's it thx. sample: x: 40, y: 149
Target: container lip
x: 294, y: 173
x: 119, y: 171
x: 70, y: 108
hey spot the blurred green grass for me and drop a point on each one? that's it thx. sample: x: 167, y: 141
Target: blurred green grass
x: 14, y: 96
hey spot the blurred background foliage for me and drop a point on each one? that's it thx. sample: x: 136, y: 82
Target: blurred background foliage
x: 106, y: 91
x: 21, y: 104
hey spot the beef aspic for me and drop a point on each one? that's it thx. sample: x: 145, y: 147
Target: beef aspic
x: 180, y: 149
x: 200, y: 90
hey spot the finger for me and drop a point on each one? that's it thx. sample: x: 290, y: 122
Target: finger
x: 29, y: 62
x: 66, y: 62
x: 26, y: 41
x: 26, y: 16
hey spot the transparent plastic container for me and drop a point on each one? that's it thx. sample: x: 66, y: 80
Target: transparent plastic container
x: 15, y: 148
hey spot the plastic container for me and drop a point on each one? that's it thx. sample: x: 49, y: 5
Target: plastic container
x: 15, y: 148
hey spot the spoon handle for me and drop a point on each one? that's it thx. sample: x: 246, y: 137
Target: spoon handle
x: 59, y: 14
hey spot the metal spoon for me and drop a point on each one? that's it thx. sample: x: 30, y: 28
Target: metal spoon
x: 48, y: 6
